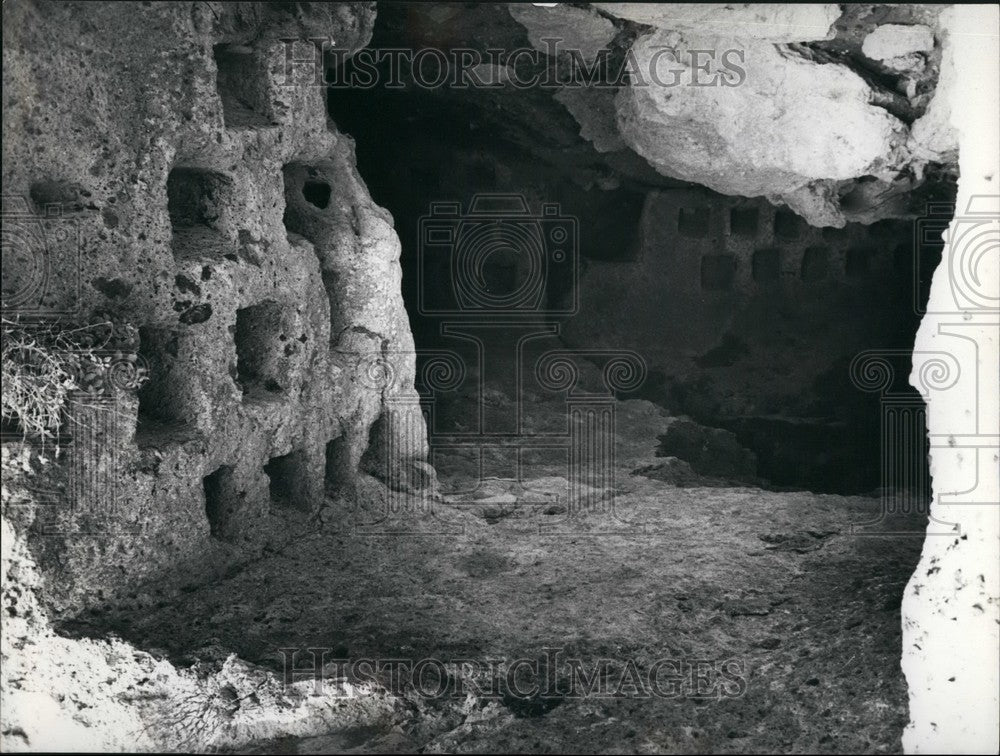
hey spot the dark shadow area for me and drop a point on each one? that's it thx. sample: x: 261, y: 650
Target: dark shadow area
x: 165, y: 404
x: 747, y: 317
x: 196, y: 202
x: 287, y: 480
x: 242, y: 87
x: 221, y: 503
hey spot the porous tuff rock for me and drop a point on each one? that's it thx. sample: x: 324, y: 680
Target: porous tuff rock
x: 790, y: 123
x: 933, y: 136
x: 180, y: 138
x: 765, y: 21
x: 751, y: 317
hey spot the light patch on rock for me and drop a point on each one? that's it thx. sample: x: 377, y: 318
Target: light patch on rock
x: 891, y: 41
x: 68, y: 694
x: 932, y: 136
x: 490, y: 75
x: 914, y: 63
x: 439, y: 13
x: 789, y: 123
x: 817, y: 201
x: 764, y: 21
x: 594, y: 110
x: 574, y: 28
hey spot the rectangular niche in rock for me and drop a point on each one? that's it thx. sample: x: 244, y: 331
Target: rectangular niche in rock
x: 718, y: 272
x: 787, y: 225
x: 308, y: 191
x: 260, y: 349
x: 222, y: 503
x: 857, y: 261
x: 288, y: 477
x: 338, y: 463
x: 166, y: 404
x: 243, y: 87
x: 198, y: 201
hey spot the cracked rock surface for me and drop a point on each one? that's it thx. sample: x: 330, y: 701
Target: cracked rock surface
x: 789, y: 123
x: 803, y: 104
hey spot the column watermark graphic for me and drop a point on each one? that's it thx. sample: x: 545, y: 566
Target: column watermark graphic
x: 41, y: 260
x: 67, y: 385
x: 956, y: 369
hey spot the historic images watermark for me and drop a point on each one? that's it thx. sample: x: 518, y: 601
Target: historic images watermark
x: 552, y: 677
x: 325, y: 65
x: 974, y: 238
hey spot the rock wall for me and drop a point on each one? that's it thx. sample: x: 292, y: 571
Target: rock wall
x: 749, y: 319
x: 171, y: 167
x: 747, y: 315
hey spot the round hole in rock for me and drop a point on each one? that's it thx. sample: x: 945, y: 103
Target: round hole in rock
x: 317, y: 193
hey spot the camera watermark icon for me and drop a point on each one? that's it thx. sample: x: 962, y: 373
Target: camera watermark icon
x: 497, y: 259
x: 497, y: 278
x: 41, y: 260
x: 543, y: 681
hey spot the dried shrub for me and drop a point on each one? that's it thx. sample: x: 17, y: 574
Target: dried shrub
x: 46, y: 368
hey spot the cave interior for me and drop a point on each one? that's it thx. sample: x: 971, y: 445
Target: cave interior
x: 632, y: 411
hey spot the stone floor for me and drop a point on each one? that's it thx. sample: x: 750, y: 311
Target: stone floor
x: 772, y: 584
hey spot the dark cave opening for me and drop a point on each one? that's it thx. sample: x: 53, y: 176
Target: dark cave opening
x: 245, y: 103
x: 288, y: 481
x: 221, y: 502
x: 747, y: 317
x: 197, y: 199
x: 317, y: 193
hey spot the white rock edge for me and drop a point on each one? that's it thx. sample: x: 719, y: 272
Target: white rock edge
x: 951, y: 649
